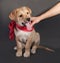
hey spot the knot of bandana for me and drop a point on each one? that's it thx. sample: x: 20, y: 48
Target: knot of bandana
x: 11, y: 26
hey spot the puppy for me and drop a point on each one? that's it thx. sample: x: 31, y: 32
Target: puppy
x: 25, y: 35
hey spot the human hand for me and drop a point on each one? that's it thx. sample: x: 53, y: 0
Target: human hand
x: 35, y: 20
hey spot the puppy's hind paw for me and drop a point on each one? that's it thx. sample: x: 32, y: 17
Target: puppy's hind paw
x: 15, y: 48
x: 33, y: 51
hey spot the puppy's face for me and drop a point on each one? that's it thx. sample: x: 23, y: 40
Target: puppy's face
x: 21, y: 15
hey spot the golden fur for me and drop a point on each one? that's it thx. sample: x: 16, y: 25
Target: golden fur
x: 25, y: 39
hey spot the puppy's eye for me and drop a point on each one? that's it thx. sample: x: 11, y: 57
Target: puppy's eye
x: 20, y: 15
x: 27, y: 12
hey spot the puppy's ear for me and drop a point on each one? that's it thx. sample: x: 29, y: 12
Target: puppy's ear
x: 12, y: 15
x: 29, y: 10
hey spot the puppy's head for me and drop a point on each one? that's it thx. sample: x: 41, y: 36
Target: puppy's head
x: 21, y: 15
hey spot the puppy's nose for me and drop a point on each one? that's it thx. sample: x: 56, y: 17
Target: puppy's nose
x: 28, y: 19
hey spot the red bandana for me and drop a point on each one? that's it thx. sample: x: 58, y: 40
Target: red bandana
x: 12, y: 25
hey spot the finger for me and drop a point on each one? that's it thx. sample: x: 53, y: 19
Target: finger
x: 32, y: 24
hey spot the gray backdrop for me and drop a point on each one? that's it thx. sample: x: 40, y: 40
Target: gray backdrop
x: 37, y: 6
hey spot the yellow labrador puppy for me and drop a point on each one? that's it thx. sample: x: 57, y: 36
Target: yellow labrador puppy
x: 25, y: 35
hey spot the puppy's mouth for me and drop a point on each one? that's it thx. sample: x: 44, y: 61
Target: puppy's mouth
x: 27, y: 20
x: 24, y: 24
x: 27, y: 24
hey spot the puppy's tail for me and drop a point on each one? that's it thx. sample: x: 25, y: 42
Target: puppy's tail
x: 41, y: 47
x: 46, y: 48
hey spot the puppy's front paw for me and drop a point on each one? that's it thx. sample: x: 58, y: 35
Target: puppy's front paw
x: 26, y: 54
x: 18, y: 53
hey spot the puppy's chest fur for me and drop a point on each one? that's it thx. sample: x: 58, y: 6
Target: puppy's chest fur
x: 22, y: 35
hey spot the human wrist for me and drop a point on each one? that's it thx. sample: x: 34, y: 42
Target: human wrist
x: 40, y: 18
